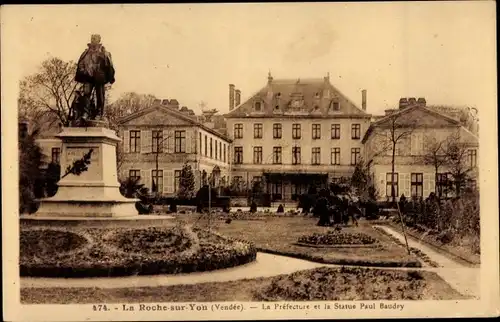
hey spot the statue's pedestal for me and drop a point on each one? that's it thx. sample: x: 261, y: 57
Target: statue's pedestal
x: 95, y: 192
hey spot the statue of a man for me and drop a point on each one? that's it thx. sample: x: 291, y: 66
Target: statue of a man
x: 94, y: 70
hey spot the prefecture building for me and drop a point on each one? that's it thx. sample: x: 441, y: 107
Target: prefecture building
x: 158, y: 141
x: 422, y: 128
x: 295, y: 132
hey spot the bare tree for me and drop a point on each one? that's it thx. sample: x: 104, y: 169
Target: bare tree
x: 128, y: 103
x: 393, y: 132
x: 49, y: 90
x: 457, y: 154
x: 434, y: 155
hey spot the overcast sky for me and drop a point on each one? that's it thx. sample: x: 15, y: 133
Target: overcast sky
x: 442, y: 51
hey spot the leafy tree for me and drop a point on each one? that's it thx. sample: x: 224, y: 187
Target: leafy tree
x: 186, y: 183
x: 30, y: 177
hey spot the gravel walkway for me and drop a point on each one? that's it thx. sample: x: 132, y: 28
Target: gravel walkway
x: 463, y: 279
x: 266, y: 265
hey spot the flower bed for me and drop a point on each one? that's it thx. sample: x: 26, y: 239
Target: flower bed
x: 337, y: 238
x: 346, y: 284
x: 124, y: 251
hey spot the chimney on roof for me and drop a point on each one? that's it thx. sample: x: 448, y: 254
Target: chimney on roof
x: 269, y: 78
x: 389, y: 111
x: 412, y: 101
x: 231, y: 97
x: 363, y: 99
x: 421, y: 101
x: 165, y: 102
x: 327, y: 77
x: 174, y: 103
x: 403, y: 102
x: 237, y: 97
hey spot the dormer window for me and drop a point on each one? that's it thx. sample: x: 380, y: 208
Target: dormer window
x: 277, y: 107
x: 335, y: 106
x: 278, y: 95
x: 316, y: 107
x: 258, y: 106
x: 316, y: 95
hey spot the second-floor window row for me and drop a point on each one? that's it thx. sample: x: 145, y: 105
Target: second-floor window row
x: 258, y: 131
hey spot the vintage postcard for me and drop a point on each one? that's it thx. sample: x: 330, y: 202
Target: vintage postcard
x: 249, y: 161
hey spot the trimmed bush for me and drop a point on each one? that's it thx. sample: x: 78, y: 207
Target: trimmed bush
x: 337, y: 238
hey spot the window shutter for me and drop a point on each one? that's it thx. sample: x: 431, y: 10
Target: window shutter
x: 126, y: 141
x: 168, y: 186
x: 426, y: 185
x: 165, y: 141
x: 381, y: 185
x: 144, y: 141
x: 146, y: 179
x: 413, y: 139
x: 432, y: 183
x: 194, y: 142
x: 406, y: 184
x: 170, y: 144
x: 188, y: 141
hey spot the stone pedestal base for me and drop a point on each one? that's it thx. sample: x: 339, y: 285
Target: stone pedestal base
x: 95, y: 192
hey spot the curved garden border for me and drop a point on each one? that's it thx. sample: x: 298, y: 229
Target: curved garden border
x: 374, y: 245
x: 211, y: 256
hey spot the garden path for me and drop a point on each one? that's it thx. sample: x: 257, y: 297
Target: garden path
x: 462, y: 278
x: 266, y: 265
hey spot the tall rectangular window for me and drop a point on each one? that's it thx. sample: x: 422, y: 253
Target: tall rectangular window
x: 180, y: 141
x: 225, y: 147
x: 257, y: 131
x: 355, y: 155
x: 316, y: 156
x: 134, y: 174
x: 238, y: 155
x: 200, y: 143
x: 296, y: 159
x: 277, y: 131
x: 356, y: 131
x: 296, y: 131
x: 220, y: 150
x: 316, y: 131
x: 177, y: 179
x: 211, y: 148
x: 472, y: 158
x: 257, y: 155
x: 157, y: 144
x: 277, y: 155
x: 216, y: 146
x: 417, y: 185
x: 238, y: 131
x: 335, y: 131
x: 443, y: 184
x: 135, y: 141
x: 56, y: 155
x: 388, y: 179
x: 206, y: 146
x: 335, y: 156
x: 157, y: 176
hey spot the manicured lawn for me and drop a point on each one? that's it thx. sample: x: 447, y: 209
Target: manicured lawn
x: 318, y: 284
x: 280, y: 234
